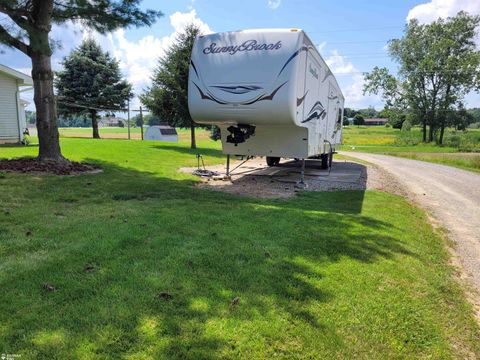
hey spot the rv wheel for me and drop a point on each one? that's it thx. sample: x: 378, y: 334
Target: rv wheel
x: 273, y: 161
x: 325, y: 161
x: 330, y: 159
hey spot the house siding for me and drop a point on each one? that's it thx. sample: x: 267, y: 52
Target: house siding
x: 8, y: 109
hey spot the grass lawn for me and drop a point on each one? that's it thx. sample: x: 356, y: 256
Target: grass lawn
x: 146, y: 266
x: 388, y: 141
x: 122, y: 133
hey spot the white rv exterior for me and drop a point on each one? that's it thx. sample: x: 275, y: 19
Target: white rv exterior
x: 271, y: 85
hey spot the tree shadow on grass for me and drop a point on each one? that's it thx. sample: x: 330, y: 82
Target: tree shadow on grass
x: 186, y: 150
x: 166, y: 262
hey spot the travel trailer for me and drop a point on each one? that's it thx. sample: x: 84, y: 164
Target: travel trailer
x: 270, y: 93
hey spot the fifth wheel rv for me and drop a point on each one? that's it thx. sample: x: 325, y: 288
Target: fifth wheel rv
x: 270, y: 93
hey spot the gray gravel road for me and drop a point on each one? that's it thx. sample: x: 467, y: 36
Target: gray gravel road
x: 451, y: 195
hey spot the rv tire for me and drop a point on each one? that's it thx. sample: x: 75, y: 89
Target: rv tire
x: 325, y: 160
x: 273, y: 161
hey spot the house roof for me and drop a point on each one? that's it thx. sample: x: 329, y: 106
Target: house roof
x: 376, y: 120
x: 24, y: 80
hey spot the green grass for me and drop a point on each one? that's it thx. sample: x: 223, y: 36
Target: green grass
x: 467, y: 161
x: 122, y: 133
x: 322, y: 275
x: 383, y: 140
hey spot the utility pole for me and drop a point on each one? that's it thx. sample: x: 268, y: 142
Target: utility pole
x: 128, y: 117
x: 141, y: 122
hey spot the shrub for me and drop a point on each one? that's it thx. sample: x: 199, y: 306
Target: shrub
x: 215, y: 133
x: 468, y: 141
x: 406, y: 126
x: 452, y: 140
x: 408, y: 138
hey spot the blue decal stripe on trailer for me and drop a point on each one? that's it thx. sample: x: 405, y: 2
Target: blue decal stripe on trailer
x: 207, y: 97
x: 316, y: 112
x: 194, y: 68
x: 239, y: 89
x: 303, y: 48
x: 300, y: 101
x: 266, y: 97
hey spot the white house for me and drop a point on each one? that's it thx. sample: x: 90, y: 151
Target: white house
x: 12, y: 108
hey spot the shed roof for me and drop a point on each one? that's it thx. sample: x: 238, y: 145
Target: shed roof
x: 165, y: 129
x: 24, y: 80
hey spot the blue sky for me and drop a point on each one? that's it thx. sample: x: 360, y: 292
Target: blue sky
x: 351, y: 35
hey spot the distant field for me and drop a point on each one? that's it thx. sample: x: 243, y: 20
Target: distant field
x: 380, y: 139
x: 373, y: 139
x: 122, y: 133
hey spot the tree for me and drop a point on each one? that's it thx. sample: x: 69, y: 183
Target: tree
x: 358, y: 120
x: 152, y: 120
x: 26, y: 27
x: 460, y: 119
x: 90, y: 82
x: 475, y: 112
x: 30, y: 117
x: 438, y: 66
x: 138, y: 120
x: 370, y: 112
x: 168, y: 95
x: 349, y: 113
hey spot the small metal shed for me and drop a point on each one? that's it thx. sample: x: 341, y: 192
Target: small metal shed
x: 161, y: 133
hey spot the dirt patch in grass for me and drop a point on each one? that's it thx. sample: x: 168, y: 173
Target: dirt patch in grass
x: 32, y: 165
x: 255, y: 179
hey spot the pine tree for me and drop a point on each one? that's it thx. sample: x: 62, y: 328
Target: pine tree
x: 91, y: 81
x: 168, y: 95
x: 27, y: 25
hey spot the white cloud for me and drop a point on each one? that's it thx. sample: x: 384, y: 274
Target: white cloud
x: 321, y: 46
x: 351, y: 82
x: 274, y: 4
x: 431, y: 11
x: 137, y: 58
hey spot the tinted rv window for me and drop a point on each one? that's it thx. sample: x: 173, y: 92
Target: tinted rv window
x: 339, y: 119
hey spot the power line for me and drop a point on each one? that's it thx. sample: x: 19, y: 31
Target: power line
x: 353, y: 29
x: 355, y: 42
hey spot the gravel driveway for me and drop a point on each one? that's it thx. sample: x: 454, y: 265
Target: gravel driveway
x: 451, y: 195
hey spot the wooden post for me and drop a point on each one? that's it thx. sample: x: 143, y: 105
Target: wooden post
x: 228, y: 165
x: 141, y: 122
x: 128, y: 119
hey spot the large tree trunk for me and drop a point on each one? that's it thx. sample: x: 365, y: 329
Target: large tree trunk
x: 192, y: 135
x: 96, y: 134
x: 430, y: 132
x: 49, y: 145
x: 424, y: 130
x: 442, y: 131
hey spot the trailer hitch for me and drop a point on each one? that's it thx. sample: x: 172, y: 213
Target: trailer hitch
x: 240, y: 133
